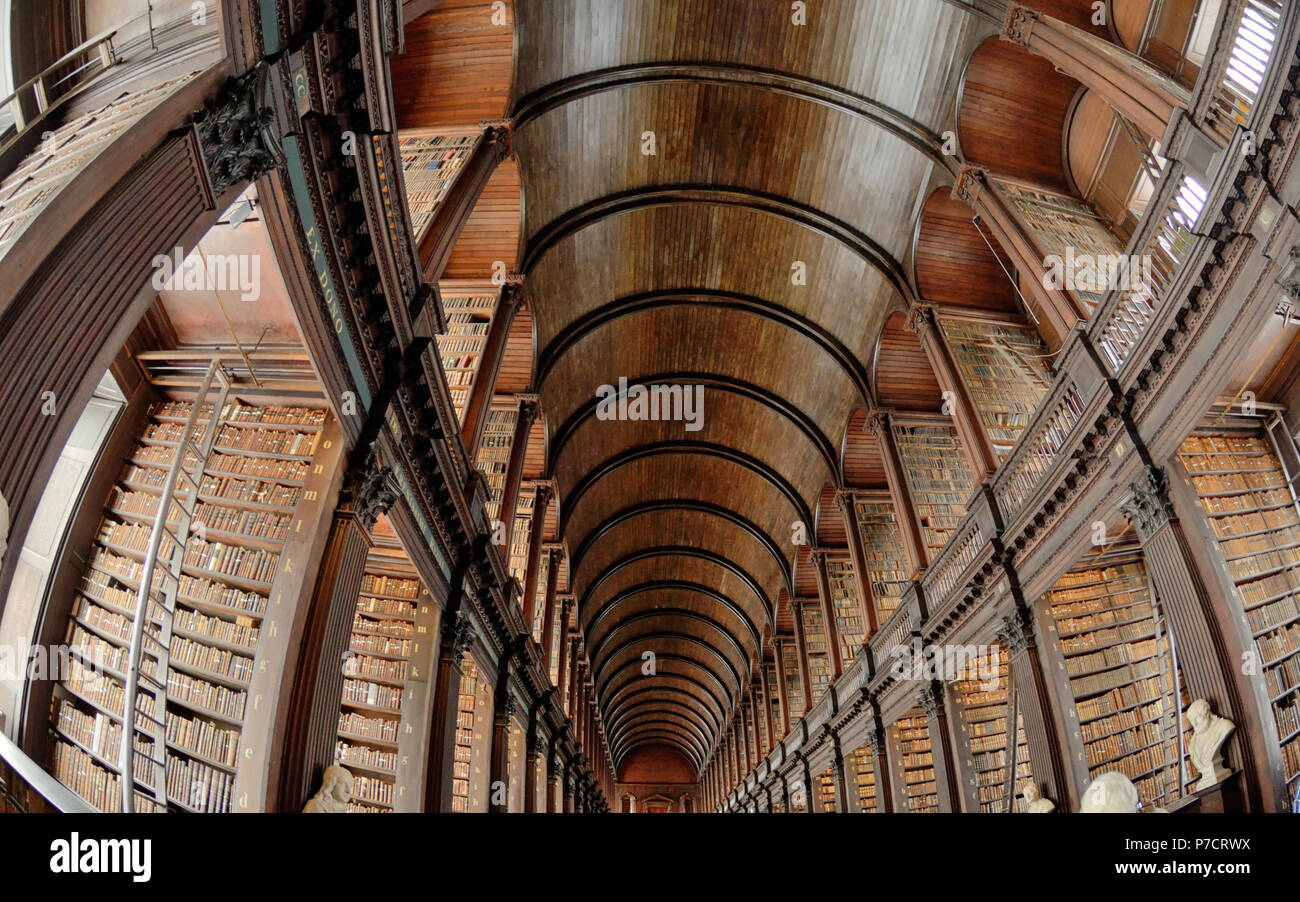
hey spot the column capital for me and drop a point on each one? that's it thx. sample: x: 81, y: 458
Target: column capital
x: 1018, y: 24
x: 846, y: 499
x: 878, y: 421
x: 875, y: 738
x: 818, y: 555
x: 543, y: 492
x: 1149, y: 508
x: 930, y: 698
x: 921, y: 318
x: 458, y: 635
x: 970, y: 182
x: 1017, y: 630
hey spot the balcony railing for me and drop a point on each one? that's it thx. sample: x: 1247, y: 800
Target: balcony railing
x: 1236, y: 91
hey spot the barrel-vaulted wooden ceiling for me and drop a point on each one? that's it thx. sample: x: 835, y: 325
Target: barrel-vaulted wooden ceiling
x: 756, y: 251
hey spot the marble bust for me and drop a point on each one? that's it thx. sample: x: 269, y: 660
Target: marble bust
x: 1034, y: 801
x: 334, y: 793
x: 1209, y: 733
x: 1110, y: 793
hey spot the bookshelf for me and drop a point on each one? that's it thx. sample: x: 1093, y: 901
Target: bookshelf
x: 940, y: 479
x: 773, y: 701
x: 844, y: 602
x: 249, y: 489
x: 826, y: 789
x: 383, y: 630
x: 519, y: 535
x: 998, y: 765
x: 917, y: 759
x: 473, y: 716
x: 1251, y: 509
x: 882, y: 543
x: 461, y: 346
x: 1004, y: 369
x: 494, y: 454
x: 1116, y: 657
x: 430, y: 165
x: 817, y: 648
x: 864, y: 779
x: 793, y: 690
x: 1064, y: 227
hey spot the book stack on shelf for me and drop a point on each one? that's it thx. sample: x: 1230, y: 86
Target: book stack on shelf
x: 1004, y: 369
x: 370, y: 714
x: 886, y: 558
x: 474, y: 709
x: 429, y: 167
x: 844, y: 601
x: 793, y: 689
x: 773, y: 701
x: 1127, y: 694
x: 865, y: 772
x: 918, y: 764
x: 826, y: 790
x: 818, y: 650
x: 494, y: 454
x: 461, y: 346
x: 230, y: 562
x: 1000, y: 765
x: 1066, y: 228
x: 1250, y: 507
x: 539, y: 598
x: 518, y: 560
x: 940, y: 479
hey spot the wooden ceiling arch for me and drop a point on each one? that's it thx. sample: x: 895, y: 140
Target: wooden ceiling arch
x: 663, y: 713
x: 667, y: 688
x: 670, y: 668
x: 754, y: 250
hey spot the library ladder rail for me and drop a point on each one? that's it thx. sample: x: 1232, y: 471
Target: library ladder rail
x: 158, y: 602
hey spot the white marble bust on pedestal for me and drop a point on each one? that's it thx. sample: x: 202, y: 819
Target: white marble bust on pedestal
x: 334, y: 793
x: 1110, y: 793
x: 1034, y: 801
x: 1209, y: 733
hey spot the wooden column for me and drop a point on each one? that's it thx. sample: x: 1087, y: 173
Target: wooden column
x: 439, y: 237
x: 515, y: 469
x: 455, y: 638
x: 1135, y: 88
x: 983, y: 460
x: 812, y: 804
x: 1056, y: 310
x: 552, y: 776
x: 875, y: 738
x: 571, y: 678
x: 801, y: 649
x: 531, y: 748
x: 311, y: 733
x: 778, y: 651
x: 1206, y: 661
x: 489, y: 368
x: 932, y: 700
x: 760, y: 716
x: 503, y: 708
x: 569, y: 777
x: 552, y: 603
x: 858, y: 555
x: 829, y: 623
x: 843, y: 803
x: 562, y: 673
x: 900, y: 490
x: 541, y: 504
x: 1040, y: 710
